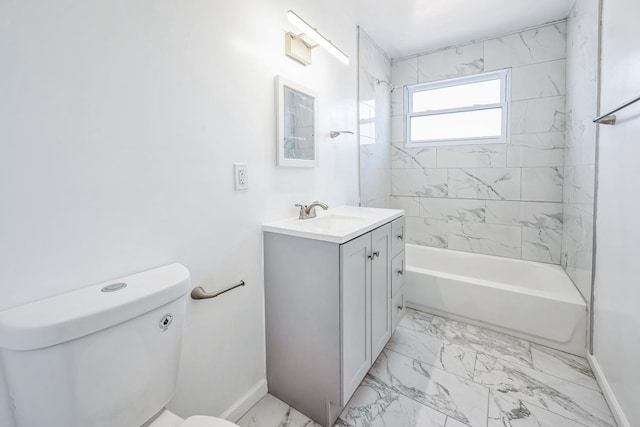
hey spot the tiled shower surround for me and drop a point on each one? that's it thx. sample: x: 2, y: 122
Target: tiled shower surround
x: 498, y: 199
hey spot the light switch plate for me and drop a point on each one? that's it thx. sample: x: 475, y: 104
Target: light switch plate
x: 241, y: 174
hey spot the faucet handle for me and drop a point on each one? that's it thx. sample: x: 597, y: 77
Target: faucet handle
x: 303, y: 211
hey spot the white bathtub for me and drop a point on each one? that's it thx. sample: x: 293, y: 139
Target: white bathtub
x: 531, y: 300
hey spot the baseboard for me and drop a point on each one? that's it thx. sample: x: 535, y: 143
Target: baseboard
x: 616, y: 410
x: 246, y: 402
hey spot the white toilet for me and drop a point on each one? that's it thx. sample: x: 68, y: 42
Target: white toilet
x: 106, y: 355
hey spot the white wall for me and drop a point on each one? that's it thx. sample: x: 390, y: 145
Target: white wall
x: 119, y: 125
x: 617, y: 287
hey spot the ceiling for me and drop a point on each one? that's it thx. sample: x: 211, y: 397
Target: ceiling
x: 406, y: 27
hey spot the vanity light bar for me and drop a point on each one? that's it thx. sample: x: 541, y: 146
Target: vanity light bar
x: 318, y: 38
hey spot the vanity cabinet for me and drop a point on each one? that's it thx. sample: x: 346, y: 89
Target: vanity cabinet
x: 328, y: 315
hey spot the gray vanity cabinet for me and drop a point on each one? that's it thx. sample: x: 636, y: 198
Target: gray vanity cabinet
x: 328, y: 316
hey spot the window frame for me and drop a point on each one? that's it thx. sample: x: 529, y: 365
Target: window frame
x: 503, y: 75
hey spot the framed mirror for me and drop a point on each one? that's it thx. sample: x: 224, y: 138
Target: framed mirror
x: 296, y: 124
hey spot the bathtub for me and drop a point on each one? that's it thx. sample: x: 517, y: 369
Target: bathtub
x: 530, y: 300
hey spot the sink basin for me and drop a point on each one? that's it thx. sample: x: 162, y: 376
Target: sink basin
x: 330, y: 223
x: 337, y: 225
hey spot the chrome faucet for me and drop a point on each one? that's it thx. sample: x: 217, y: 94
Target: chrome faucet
x: 307, y: 212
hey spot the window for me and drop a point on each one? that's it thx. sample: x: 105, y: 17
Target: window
x: 463, y: 110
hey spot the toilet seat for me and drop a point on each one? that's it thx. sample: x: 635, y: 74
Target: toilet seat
x: 204, y: 421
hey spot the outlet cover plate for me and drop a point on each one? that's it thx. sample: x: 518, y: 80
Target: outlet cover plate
x: 241, y: 176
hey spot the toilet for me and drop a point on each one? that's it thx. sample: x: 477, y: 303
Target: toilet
x: 101, y: 356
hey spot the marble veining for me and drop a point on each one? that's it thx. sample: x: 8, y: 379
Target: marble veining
x: 536, y: 149
x: 490, y: 239
x: 542, y: 184
x: 538, y: 115
x: 546, y: 43
x: 439, y: 372
x: 451, y: 62
x: 525, y: 214
x: 538, y: 80
x: 376, y: 405
x: 484, y: 183
x: 541, y: 244
x: 453, y: 209
x: 419, y: 182
x: 481, y: 340
x: 427, y: 231
x: 433, y: 351
x: 562, y: 397
x: 505, y: 411
x: 272, y: 412
x: 434, y: 387
x: 412, y: 158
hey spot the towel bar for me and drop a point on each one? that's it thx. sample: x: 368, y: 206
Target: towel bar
x: 610, y: 118
x: 199, y: 293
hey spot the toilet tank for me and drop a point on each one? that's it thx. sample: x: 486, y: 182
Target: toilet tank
x: 104, y: 355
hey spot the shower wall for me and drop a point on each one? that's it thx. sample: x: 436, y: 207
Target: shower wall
x: 580, y: 150
x: 498, y: 199
x: 375, y: 134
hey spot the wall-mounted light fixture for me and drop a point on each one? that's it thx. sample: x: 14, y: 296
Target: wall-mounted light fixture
x: 298, y: 49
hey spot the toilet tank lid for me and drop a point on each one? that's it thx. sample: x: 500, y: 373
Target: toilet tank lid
x: 81, y: 312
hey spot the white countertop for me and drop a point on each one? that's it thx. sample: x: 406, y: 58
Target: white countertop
x: 337, y: 225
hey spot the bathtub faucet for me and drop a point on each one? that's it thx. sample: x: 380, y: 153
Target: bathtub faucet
x: 307, y: 212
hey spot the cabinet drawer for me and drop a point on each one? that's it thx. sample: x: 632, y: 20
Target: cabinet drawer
x: 397, y: 236
x: 397, y: 273
x: 398, y: 308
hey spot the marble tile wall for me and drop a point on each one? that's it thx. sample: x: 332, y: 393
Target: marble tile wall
x: 499, y: 199
x: 375, y: 134
x: 580, y: 147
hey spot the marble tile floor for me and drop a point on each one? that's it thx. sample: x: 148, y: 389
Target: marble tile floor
x: 439, y: 372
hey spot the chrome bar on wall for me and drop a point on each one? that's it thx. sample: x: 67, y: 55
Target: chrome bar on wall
x: 610, y: 118
x: 199, y: 293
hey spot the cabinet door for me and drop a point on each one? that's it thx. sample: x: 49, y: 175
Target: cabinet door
x: 380, y: 289
x: 355, y: 306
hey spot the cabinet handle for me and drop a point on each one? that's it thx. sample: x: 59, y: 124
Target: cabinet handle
x: 373, y: 255
x: 400, y: 272
x: 401, y: 307
x: 399, y: 236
